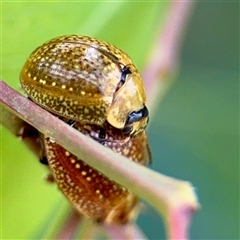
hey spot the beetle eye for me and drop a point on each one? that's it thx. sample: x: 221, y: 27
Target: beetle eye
x: 136, y: 116
x: 125, y: 71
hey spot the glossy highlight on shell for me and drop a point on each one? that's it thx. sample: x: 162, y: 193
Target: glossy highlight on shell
x: 94, y: 87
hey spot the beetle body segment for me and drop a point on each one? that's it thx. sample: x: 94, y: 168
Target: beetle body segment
x: 79, y: 78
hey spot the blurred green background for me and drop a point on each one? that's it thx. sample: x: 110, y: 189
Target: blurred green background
x: 193, y: 134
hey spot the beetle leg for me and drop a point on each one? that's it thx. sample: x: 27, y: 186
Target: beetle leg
x: 27, y: 131
x: 101, y: 136
x: 43, y: 156
x: 49, y: 178
x: 43, y: 160
x: 102, y: 133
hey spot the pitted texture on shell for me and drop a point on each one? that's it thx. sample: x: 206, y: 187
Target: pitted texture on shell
x: 74, y: 76
x: 92, y: 193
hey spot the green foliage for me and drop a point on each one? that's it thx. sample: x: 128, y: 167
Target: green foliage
x: 29, y: 204
x: 193, y: 136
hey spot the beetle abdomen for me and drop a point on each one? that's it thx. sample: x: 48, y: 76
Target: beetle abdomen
x: 91, y: 192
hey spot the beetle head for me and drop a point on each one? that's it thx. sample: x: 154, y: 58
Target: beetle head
x: 128, y: 110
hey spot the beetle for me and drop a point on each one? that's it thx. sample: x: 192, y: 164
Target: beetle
x: 94, y: 87
x: 88, y: 80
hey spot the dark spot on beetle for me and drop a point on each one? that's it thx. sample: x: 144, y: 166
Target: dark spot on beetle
x: 71, y: 122
x: 101, y: 138
x: 102, y: 134
x: 49, y: 178
x: 125, y: 71
x: 127, y: 129
x: 27, y: 131
x: 136, y: 116
x: 43, y: 160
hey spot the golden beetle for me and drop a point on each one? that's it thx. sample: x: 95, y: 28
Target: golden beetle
x: 94, y: 87
x: 88, y: 80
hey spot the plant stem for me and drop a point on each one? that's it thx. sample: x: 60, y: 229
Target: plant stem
x: 164, y: 60
x: 174, y: 199
x: 166, y: 194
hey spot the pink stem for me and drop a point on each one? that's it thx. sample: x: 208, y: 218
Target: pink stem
x: 129, y: 231
x: 163, y: 192
x: 70, y: 226
x: 178, y: 222
x: 164, y: 60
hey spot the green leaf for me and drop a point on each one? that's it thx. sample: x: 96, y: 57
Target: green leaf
x: 28, y: 201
